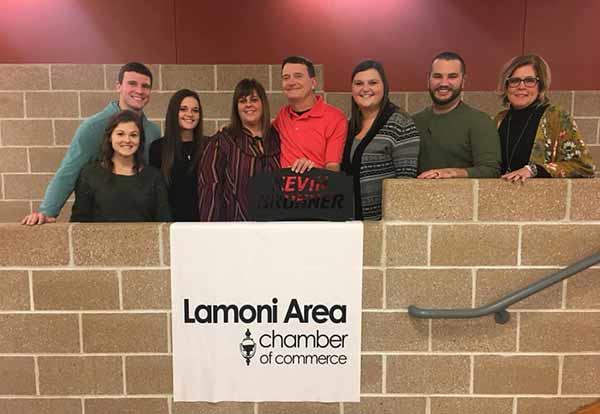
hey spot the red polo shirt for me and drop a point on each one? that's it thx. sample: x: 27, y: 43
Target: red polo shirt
x: 318, y: 134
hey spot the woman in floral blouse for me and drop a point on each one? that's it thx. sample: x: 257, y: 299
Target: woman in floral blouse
x: 538, y: 139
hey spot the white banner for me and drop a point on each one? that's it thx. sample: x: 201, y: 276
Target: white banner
x: 266, y: 311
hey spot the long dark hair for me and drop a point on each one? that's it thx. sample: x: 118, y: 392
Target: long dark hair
x: 172, y: 147
x: 107, y: 152
x: 247, y: 87
x: 356, y: 116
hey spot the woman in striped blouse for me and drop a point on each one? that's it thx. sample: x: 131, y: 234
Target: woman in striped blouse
x: 247, y: 146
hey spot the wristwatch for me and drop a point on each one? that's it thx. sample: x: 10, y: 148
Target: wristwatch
x: 532, y: 169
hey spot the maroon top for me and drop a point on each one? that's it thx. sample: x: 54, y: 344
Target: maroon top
x: 226, y: 166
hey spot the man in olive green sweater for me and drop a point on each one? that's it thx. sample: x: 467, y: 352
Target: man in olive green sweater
x: 456, y: 140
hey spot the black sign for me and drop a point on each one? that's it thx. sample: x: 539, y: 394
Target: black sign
x: 315, y: 195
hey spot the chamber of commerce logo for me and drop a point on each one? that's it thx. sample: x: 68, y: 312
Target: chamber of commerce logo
x: 248, y: 347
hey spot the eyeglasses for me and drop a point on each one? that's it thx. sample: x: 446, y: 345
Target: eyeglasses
x: 529, y: 81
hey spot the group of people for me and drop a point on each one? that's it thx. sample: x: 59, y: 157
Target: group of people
x: 122, y: 170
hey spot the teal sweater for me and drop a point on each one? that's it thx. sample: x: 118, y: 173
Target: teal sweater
x: 84, y: 148
x: 462, y: 138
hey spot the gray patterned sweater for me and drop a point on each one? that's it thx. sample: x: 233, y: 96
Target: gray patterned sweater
x: 389, y: 150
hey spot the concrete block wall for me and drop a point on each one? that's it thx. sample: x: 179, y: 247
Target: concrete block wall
x: 42, y: 105
x: 85, y: 309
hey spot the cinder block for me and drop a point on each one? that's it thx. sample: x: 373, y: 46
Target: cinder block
x: 149, y: 374
x: 505, y: 201
x: 371, y: 371
x: 46, y: 245
x: 474, y: 245
x: 213, y: 408
x: 146, y: 289
x: 587, y: 103
x: 406, y: 245
x: 551, y: 405
x: 14, y: 290
x: 488, y: 102
x: 52, y: 104
x: 428, y: 374
x: 93, y: 102
x: 435, y: 288
x: 387, y: 405
x: 585, y: 200
x: 25, y: 186
x: 24, y: 77
x: 383, y: 332
x: 35, y: 333
x: 13, y: 211
x: 126, y: 405
x: 75, y: 290
x: 372, y: 296
x: 41, y: 406
x: 17, y: 376
x: 298, y: 407
x: 13, y: 160
x: 120, y: 244
x: 583, y: 290
x: 11, y: 105
x: 553, y: 245
x: 473, y: 335
x: 64, y: 130
x: 195, y: 77
x: 463, y: 405
x: 417, y: 101
x: 580, y: 374
x: 77, y: 375
x: 559, y: 332
x: 588, y: 129
x: 124, y: 333
x: 27, y: 132
x: 229, y: 75
x: 428, y: 200
x: 516, y: 374
x: 341, y: 100
x: 372, y: 243
x: 493, y: 284
x: 83, y: 77
x: 217, y: 104
x: 46, y: 159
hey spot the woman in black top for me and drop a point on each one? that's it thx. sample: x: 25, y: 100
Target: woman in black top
x: 119, y: 187
x: 178, y: 152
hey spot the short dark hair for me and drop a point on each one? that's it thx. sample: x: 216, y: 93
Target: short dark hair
x: 310, y: 67
x: 448, y: 55
x: 107, y: 151
x: 136, y: 67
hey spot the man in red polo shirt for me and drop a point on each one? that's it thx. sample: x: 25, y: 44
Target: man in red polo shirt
x: 312, y: 132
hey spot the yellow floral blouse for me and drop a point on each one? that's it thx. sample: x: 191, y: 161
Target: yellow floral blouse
x: 558, y: 146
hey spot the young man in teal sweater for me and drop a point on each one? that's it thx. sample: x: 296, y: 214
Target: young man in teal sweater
x: 134, y: 85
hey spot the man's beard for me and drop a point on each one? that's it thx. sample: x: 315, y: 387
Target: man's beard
x: 455, y: 92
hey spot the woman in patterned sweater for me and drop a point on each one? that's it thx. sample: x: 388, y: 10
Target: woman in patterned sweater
x: 382, y: 141
x: 537, y: 139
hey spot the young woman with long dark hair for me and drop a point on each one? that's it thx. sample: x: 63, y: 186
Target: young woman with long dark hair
x: 178, y: 152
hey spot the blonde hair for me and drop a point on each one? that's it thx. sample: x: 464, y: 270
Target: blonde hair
x: 542, y: 71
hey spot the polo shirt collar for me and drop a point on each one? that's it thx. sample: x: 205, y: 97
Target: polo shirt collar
x: 316, y: 111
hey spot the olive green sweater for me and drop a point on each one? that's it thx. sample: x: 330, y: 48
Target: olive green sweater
x: 462, y: 138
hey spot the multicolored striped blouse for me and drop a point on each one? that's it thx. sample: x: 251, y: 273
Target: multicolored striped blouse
x: 228, y: 162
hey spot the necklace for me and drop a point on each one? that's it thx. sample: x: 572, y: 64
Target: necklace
x: 518, y: 141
